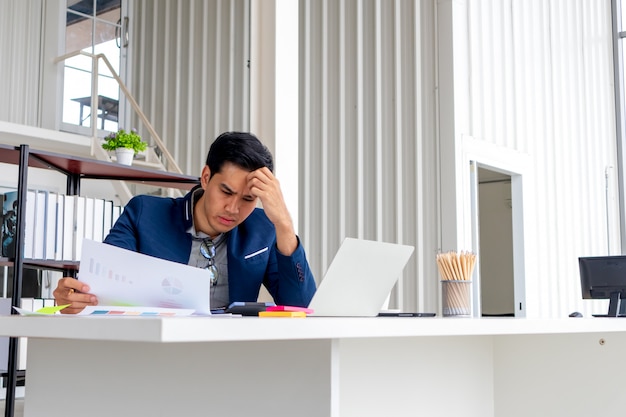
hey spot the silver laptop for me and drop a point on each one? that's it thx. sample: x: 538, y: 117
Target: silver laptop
x: 360, y: 278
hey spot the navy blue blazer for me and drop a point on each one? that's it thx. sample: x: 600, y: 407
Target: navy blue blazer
x: 157, y: 226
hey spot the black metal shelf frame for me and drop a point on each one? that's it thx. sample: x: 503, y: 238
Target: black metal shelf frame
x: 75, y: 169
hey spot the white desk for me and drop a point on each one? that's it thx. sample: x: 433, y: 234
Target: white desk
x: 191, y: 366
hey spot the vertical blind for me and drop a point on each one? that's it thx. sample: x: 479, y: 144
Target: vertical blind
x: 190, y: 72
x: 368, y: 154
x: 20, y: 52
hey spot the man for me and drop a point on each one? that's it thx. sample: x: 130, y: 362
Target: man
x: 217, y: 226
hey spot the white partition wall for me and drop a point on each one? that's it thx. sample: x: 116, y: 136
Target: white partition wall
x: 539, y: 82
x: 20, y: 49
x: 387, y: 91
x: 368, y: 145
x: 390, y: 88
x: 191, y: 72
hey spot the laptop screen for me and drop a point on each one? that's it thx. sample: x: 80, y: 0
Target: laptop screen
x: 359, y: 278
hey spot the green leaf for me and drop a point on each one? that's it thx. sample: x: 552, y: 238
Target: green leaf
x: 123, y: 139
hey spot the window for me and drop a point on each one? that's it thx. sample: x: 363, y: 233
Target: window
x: 95, y: 27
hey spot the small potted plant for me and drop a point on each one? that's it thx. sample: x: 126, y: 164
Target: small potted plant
x: 125, y: 144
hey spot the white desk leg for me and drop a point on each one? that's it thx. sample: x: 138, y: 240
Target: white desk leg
x: 277, y: 378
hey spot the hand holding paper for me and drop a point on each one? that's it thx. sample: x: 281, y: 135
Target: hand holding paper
x: 119, y: 277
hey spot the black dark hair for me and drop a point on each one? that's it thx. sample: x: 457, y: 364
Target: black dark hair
x: 240, y: 148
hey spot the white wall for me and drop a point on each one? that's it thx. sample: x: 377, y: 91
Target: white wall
x: 388, y: 90
x: 368, y: 139
x: 274, y: 97
x: 191, y: 72
x: 384, y: 117
x: 20, y: 48
x: 537, y: 79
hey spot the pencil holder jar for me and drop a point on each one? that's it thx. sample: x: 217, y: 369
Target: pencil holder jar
x: 456, y: 270
x: 456, y: 298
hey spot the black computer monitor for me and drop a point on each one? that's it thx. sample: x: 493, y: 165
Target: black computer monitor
x: 604, y: 277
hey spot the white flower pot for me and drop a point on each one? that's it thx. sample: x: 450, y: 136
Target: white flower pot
x: 124, y: 156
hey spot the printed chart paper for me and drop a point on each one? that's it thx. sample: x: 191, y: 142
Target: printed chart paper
x: 116, y: 311
x: 119, y: 277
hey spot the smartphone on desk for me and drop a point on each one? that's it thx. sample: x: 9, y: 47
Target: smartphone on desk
x: 248, y: 308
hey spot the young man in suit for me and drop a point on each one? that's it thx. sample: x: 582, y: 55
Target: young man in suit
x: 217, y: 226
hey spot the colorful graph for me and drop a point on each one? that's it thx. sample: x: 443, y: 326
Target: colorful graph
x: 132, y: 313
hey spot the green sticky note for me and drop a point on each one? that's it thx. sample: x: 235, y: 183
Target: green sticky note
x: 52, y: 309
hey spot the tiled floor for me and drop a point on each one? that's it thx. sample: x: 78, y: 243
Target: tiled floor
x: 18, y: 411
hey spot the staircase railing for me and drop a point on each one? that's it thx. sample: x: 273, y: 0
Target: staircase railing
x: 171, y: 164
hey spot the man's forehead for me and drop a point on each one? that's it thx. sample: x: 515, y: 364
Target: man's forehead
x: 231, y: 187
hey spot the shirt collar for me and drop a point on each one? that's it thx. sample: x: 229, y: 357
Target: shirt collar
x: 191, y: 203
